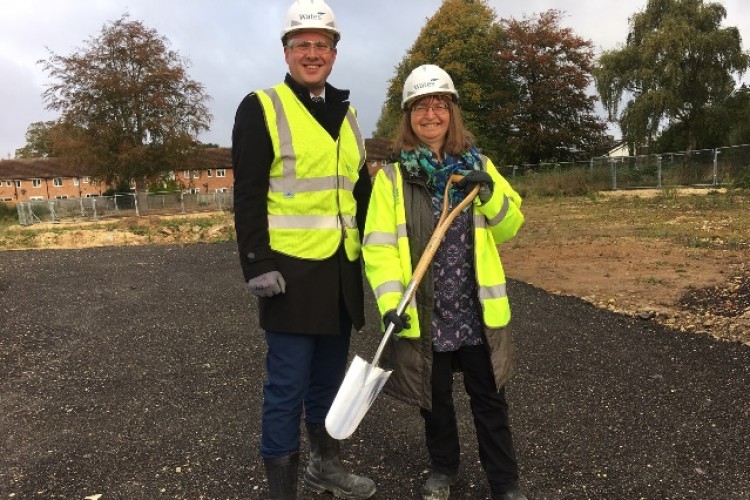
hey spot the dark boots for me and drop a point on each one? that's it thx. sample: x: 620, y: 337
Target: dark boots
x: 326, y: 472
x: 281, y: 474
x: 514, y: 494
x: 437, y: 486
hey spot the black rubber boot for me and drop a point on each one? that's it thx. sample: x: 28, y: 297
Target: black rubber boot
x: 514, y: 494
x: 326, y: 472
x: 281, y: 474
x: 437, y: 486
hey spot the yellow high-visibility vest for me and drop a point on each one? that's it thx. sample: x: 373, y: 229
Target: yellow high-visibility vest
x: 387, y: 255
x: 311, y: 205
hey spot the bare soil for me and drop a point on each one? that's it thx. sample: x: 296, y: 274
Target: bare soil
x: 686, y: 270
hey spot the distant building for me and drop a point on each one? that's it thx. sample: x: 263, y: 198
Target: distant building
x: 48, y: 178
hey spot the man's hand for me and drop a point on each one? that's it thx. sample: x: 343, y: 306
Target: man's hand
x: 475, y: 177
x: 400, y: 323
x: 267, y: 284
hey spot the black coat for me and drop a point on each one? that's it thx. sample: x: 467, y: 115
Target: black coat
x: 315, y: 289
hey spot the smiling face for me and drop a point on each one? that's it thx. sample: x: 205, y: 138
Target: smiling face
x: 312, y: 66
x: 430, y: 118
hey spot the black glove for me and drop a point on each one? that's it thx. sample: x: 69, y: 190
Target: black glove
x: 399, y: 322
x: 475, y: 177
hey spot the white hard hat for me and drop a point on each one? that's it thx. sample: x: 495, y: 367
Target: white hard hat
x: 310, y: 15
x: 427, y: 79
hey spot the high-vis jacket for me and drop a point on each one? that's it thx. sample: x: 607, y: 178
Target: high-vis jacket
x: 389, y: 260
x: 311, y: 206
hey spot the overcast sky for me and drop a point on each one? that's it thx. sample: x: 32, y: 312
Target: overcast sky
x: 233, y: 45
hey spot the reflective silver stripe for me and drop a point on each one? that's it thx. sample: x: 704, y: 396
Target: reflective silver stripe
x: 388, y: 287
x: 311, y: 221
x: 401, y: 230
x: 503, y: 212
x: 290, y: 185
x: 390, y: 171
x: 380, y: 238
x: 480, y: 221
x: 357, y: 133
x: 492, y: 292
x: 286, y: 150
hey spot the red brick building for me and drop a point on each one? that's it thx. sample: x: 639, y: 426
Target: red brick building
x: 49, y: 179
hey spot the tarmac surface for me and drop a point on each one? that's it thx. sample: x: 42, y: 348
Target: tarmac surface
x: 136, y: 373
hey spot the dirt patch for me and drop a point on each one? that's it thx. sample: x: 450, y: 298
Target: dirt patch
x: 678, y: 265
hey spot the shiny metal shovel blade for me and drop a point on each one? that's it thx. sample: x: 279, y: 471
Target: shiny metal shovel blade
x: 359, y: 389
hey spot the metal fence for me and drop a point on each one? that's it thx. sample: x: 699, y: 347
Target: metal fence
x: 701, y: 168
x: 120, y: 205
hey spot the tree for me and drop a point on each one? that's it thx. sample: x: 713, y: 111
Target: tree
x: 550, y: 115
x: 676, y: 65
x: 39, y: 142
x: 128, y: 108
x: 456, y: 38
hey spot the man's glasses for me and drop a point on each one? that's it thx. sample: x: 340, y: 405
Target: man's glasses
x: 439, y: 108
x: 304, y: 46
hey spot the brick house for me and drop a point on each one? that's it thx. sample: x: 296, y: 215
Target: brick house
x: 48, y: 178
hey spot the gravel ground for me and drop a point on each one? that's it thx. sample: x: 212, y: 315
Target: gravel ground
x: 135, y: 373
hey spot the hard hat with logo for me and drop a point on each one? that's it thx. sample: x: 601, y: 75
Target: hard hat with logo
x: 427, y: 79
x: 313, y: 15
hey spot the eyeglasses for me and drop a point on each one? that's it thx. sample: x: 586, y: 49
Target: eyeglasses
x: 304, y: 46
x: 440, y: 108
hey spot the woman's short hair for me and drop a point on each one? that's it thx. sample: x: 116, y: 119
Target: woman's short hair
x: 457, y: 139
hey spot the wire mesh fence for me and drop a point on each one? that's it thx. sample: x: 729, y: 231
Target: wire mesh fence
x: 120, y: 205
x: 699, y: 168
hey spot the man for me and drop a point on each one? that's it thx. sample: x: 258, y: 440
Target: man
x: 299, y: 190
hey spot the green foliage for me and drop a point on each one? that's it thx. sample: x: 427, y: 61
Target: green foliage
x: 7, y: 213
x: 127, y: 105
x: 678, y: 64
x: 457, y: 39
x: 39, y: 141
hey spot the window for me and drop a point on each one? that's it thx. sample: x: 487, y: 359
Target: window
x: 57, y: 182
x: 194, y: 191
x: 18, y: 184
x: 6, y: 199
x: 196, y: 174
x: 75, y: 181
x: 86, y: 179
x: 208, y: 172
x: 9, y: 183
x: 62, y: 197
x: 186, y: 174
x: 36, y: 183
x: 36, y: 198
x: 220, y: 172
x: 221, y: 190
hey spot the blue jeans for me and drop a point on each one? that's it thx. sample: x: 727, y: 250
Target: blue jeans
x: 303, y: 372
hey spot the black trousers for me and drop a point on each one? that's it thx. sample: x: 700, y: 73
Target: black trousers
x: 489, y: 409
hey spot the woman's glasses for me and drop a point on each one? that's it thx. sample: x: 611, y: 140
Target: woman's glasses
x: 439, y: 108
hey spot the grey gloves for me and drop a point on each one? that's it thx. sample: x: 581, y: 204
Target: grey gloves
x: 399, y: 322
x: 475, y: 177
x: 267, y: 284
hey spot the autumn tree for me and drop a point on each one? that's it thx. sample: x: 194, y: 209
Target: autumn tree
x: 128, y: 108
x: 549, y: 111
x: 39, y: 142
x: 456, y: 38
x: 677, y: 67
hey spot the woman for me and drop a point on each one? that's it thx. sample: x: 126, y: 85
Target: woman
x: 459, y: 315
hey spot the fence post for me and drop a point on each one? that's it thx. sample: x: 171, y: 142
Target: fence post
x: 716, y: 167
x: 93, y: 206
x: 613, y: 173
x: 135, y: 198
x: 83, y: 211
x: 658, y: 171
x: 182, y: 202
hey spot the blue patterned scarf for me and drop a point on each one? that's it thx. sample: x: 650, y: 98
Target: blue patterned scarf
x: 423, y: 163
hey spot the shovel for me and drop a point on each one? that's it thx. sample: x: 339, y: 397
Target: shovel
x: 364, y: 381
